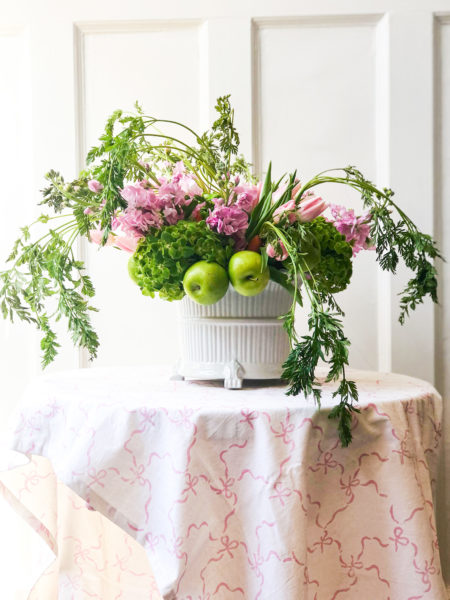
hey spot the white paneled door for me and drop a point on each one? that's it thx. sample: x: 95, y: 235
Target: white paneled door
x: 314, y: 84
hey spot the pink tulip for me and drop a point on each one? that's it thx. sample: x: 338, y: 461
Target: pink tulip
x: 95, y: 186
x: 296, y: 189
x: 126, y: 242
x: 275, y: 252
x: 96, y: 236
x: 279, y: 192
x: 311, y: 208
x: 289, y: 210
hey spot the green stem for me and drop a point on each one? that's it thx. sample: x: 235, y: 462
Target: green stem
x: 357, y: 185
x: 59, y: 229
x: 69, y: 196
x: 280, y: 277
x: 153, y: 120
x: 189, y: 150
x: 210, y: 174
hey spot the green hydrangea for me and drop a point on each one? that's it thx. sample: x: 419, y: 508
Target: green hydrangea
x: 334, y: 270
x: 163, y: 257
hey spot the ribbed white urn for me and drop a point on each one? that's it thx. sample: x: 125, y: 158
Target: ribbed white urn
x: 235, y: 339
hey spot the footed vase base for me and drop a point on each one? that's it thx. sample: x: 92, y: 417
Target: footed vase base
x: 232, y: 372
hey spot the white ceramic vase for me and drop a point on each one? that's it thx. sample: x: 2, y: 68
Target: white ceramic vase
x: 235, y: 339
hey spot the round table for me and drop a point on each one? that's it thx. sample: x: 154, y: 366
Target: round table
x: 247, y: 494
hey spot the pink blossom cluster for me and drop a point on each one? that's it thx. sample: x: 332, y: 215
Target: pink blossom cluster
x: 231, y: 217
x: 150, y: 206
x: 229, y: 220
x: 356, y: 229
x: 245, y: 196
x: 147, y: 206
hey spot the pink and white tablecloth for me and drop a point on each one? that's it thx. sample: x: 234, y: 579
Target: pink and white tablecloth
x: 247, y: 494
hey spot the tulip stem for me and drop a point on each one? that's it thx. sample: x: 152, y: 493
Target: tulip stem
x: 280, y: 277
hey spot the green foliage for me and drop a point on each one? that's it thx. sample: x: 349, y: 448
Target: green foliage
x: 218, y: 147
x: 224, y: 129
x: 46, y: 272
x: 317, y: 249
x: 328, y: 343
x: 343, y: 412
x: 117, y: 160
x: 333, y: 271
x: 402, y: 240
x: 162, y: 258
x: 394, y: 239
x: 53, y: 195
x: 423, y: 284
x: 261, y: 211
x: 264, y: 210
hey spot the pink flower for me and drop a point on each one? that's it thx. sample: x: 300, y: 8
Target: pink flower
x: 171, y: 215
x: 171, y: 194
x: 96, y: 236
x: 126, y: 242
x: 88, y: 211
x: 279, y: 252
x: 355, y: 229
x: 140, y: 195
x: 228, y: 219
x: 287, y: 210
x: 179, y: 170
x: 95, y: 186
x: 309, y: 208
x: 149, y: 207
x: 296, y: 189
x: 189, y: 186
x: 246, y: 196
x: 279, y: 192
x: 136, y: 222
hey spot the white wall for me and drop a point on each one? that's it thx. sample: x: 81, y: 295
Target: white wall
x: 314, y: 85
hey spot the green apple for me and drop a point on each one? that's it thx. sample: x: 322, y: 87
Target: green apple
x: 245, y: 273
x: 205, y: 282
x: 133, y: 269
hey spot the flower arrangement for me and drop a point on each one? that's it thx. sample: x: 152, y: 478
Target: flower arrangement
x: 193, y: 218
